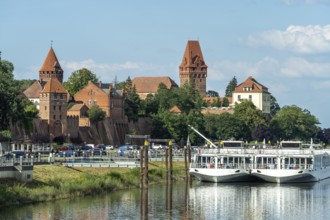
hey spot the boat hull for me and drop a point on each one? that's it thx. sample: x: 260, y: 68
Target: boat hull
x: 290, y: 176
x: 222, y: 175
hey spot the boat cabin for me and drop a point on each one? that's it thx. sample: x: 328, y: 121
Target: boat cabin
x: 221, y: 161
x: 291, y: 145
x: 232, y: 144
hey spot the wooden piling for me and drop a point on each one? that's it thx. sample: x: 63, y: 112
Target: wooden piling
x: 166, y: 163
x: 146, y: 161
x: 171, y: 161
x: 141, y: 167
x: 185, y: 162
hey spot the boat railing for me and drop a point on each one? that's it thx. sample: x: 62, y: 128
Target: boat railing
x: 285, y: 167
x: 220, y: 166
x: 274, y: 151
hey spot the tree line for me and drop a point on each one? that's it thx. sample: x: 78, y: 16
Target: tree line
x: 246, y: 122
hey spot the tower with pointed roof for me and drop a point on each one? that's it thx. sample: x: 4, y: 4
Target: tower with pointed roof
x: 53, y: 107
x: 193, y: 70
x: 51, y: 68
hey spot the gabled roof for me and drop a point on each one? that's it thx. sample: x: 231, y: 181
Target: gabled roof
x: 77, y: 107
x: 150, y: 84
x: 50, y: 62
x: 193, y: 55
x: 34, y: 90
x: 175, y: 109
x: 53, y: 85
x: 250, y: 85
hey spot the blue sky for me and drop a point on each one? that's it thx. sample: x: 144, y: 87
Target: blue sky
x: 283, y: 44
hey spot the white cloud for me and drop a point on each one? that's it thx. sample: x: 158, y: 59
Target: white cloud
x: 107, y: 71
x: 299, y: 39
x: 300, y: 67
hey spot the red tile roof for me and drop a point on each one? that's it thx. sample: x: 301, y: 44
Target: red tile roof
x: 50, y: 62
x: 252, y: 84
x: 150, y: 84
x: 34, y: 90
x: 193, y: 55
x: 77, y: 107
x: 175, y: 109
x: 53, y: 85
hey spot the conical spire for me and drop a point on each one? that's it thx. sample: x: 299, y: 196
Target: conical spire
x: 50, y: 62
x: 192, y: 54
x: 51, y: 67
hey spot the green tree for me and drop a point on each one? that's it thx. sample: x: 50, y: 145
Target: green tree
x: 149, y: 105
x: 225, y: 126
x: 212, y: 93
x: 250, y: 115
x: 216, y: 103
x: 225, y: 102
x: 9, y: 95
x: 13, y: 106
x: 132, y: 101
x: 231, y: 87
x: 292, y: 122
x: 95, y: 114
x: 78, y: 80
x: 274, y: 107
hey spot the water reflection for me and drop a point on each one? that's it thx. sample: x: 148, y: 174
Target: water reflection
x: 199, y: 201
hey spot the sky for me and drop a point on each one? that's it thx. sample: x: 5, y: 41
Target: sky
x: 283, y: 44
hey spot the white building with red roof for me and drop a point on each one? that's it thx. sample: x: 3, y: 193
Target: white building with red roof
x: 253, y: 91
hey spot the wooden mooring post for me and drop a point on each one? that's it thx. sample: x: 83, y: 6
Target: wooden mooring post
x: 185, y: 162
x: 166, y: 162
x: 171, y: 160
x: 146, y: 161
x: 141, y: 166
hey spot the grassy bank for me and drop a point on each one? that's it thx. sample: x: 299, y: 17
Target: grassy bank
x: 51, y: 182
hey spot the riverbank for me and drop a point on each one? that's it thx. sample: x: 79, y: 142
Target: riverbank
x: 53, y: 182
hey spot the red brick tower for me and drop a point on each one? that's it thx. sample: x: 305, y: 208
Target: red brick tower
x: 193, y: 70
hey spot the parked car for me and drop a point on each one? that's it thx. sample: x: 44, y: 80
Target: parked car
x: 68, y: 153
x: 157, y: 146
x: 98, y: 151
x: 109, y: 147
x: 16, y: 154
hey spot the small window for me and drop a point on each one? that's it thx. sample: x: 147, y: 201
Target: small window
x: 59, y: 108
x: 94, y: 101
x: 54, y: 107
x: 239, y: 97
x: 250, y: 97
x: 89, y: 101
x: 45, y: 108
x: 54, y: 117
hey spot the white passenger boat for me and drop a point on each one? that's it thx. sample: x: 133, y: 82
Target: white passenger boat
x: 232, y: 163
x: 291, y: 164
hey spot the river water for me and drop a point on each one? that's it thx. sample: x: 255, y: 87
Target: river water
x: 196, y: 201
